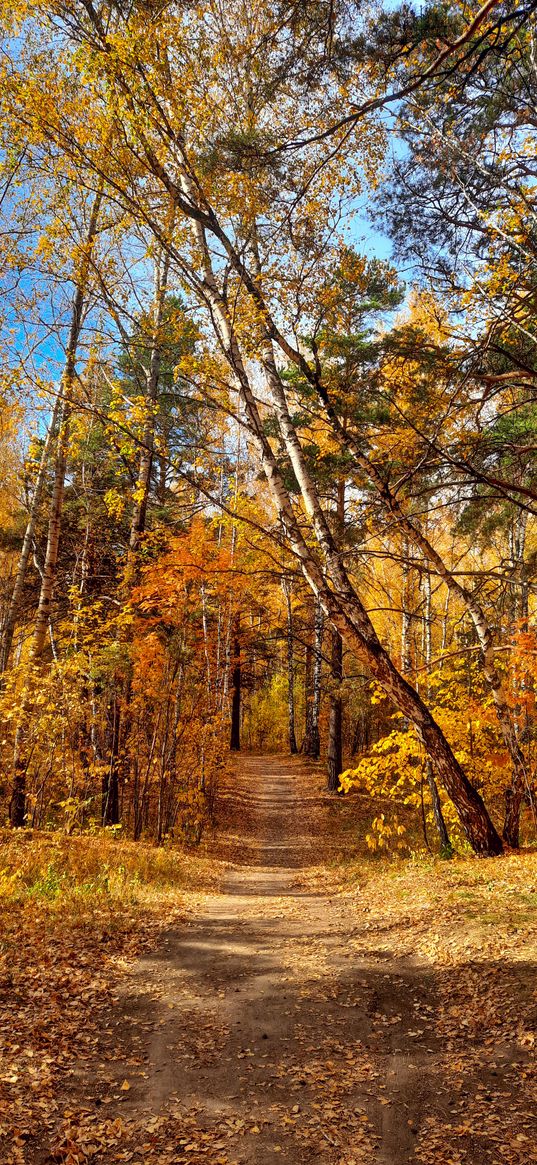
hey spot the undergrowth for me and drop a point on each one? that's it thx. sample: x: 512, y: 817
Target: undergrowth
x: 53, y: 865
x: 91, y: 889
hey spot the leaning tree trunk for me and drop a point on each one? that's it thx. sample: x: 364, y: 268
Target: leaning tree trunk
x: 343, y: 605
x: 446, y: 848
x: 48, y: 580
x: 323, y: 569
x: 519, y: 780
x: 351, y: 444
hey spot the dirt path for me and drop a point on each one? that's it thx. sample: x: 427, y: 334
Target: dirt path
x: 252, y: 1027
x: 279, y: 1022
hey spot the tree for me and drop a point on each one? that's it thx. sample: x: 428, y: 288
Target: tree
x: 43, y: 614
x: 259, y: 209
x: 290, y: 644
x: 191, y: 191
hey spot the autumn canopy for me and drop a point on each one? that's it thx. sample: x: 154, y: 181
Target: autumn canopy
x: 269, y: 387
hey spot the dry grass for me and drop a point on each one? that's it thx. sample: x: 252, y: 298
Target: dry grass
x: 52, y: 866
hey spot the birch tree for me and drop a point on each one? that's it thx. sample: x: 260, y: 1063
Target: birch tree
x: 61, y: 450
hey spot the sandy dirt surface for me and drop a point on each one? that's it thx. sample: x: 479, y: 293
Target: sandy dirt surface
x: 281, y: 1023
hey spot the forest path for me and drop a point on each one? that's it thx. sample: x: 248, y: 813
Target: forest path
x: 251, y: 1035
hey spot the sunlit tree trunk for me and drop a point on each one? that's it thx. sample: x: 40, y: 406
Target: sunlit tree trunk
x: 351, y: 612
x: 335, y: 722
x: 10, y: 620
x: 520, y: 784
x: 335, y: 726
x: 290, y: 643
x: 406, y: 614
x: 517, y: 549
x: 236, y: 682
x: 230, y: 673
x: 308, y: 685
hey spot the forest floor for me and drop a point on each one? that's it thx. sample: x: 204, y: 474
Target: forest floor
x: 283, y: 1000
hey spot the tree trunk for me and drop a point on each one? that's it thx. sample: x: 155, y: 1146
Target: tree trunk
x: 406, y: 617
x: 446, y: 848
x: 28, y: 540
x: 335, y: 723
x: 335, y: 728
x: 343, y: 605
x: 145, y: 463
x: 311, y: 745
x: 286, y: 587
x: 236, y: 681
x: 519, y: 783
x: 110, y: 793
x: 308, y: 687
